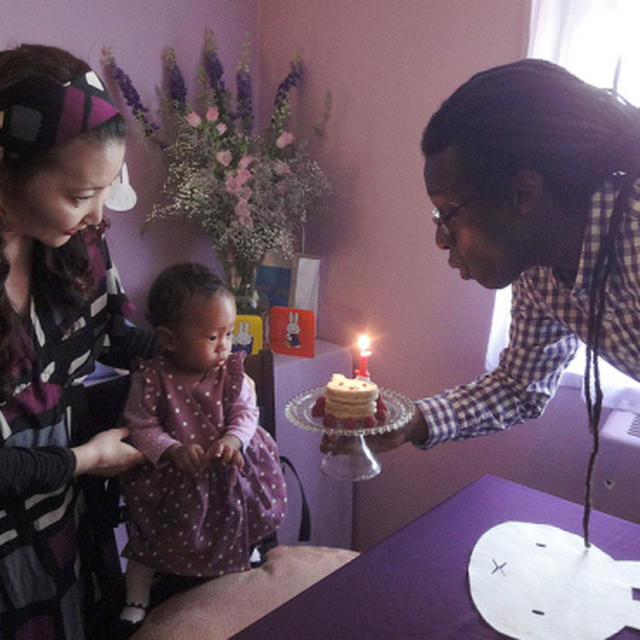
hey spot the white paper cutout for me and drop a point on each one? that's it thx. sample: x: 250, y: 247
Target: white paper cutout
x: 121, y: 195
x: 537, y: 581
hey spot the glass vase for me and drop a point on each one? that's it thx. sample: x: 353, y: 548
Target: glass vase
x: 241, y: 277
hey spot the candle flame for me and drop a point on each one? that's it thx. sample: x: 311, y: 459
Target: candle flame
x: 364, y: 343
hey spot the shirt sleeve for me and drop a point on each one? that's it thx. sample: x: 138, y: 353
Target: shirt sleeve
x: 527, y: 376
x: 25, y: 472
x: 242, y: 414
x: 141, y: 415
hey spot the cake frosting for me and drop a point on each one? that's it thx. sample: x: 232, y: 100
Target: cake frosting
x: 350, y: 400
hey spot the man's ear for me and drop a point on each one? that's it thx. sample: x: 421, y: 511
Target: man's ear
x: 527, y: 188
x: 166, y: 338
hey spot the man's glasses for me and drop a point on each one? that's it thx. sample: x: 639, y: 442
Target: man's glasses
x: 441, y: 218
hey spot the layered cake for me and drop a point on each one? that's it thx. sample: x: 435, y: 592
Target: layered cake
x: 355, y: 402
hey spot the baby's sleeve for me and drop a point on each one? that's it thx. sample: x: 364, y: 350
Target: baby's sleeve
x: 242, y: 414
x: 142, y: 415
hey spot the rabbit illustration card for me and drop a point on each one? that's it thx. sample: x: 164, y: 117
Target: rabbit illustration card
x: 293, y: 331
x: 247, y: 334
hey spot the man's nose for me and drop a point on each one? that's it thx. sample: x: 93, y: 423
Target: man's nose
x: 443, y: 238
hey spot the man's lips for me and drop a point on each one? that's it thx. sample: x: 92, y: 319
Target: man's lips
x: 464, y: 274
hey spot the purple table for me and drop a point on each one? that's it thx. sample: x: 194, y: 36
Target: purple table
x: 414, y: 583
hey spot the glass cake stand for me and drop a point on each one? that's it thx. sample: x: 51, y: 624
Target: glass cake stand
x: 352, y: 458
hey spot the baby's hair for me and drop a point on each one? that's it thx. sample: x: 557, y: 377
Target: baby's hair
x: 175, y: 286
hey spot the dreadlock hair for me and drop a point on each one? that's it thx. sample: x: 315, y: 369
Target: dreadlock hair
x: 175, y: 286
x: 533, y: 114
x: 65, y: 269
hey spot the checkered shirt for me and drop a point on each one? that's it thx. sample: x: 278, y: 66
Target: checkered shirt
x: 548, y: 318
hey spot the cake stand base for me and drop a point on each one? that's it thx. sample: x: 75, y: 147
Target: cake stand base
x: 355, y: 461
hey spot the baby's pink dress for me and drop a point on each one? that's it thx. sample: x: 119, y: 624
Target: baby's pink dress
x: 203, y: 526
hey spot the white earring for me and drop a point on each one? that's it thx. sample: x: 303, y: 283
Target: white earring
x: 121, y: 195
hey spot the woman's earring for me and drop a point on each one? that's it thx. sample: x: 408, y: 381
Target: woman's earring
x: 121, y: 196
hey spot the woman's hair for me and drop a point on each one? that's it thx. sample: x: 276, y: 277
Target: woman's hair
x: 536, y: 115
x: 175, y: 286
x: 66, y: 268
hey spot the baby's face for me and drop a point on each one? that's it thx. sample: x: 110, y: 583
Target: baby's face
x: 204, y: 335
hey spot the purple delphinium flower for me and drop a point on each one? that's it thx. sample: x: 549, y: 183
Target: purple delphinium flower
x: 131, y: 95
x: 244, y: 97
x: 293, y: 78
x: 214, y: 73
x: 177, y: 86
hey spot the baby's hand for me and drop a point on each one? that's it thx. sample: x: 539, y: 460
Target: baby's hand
x: 227, y: 449
x: 189, y: 458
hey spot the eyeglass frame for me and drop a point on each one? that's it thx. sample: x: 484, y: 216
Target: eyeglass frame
x: 440, y: 220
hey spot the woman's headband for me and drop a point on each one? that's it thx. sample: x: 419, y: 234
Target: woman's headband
x: 38, y: 113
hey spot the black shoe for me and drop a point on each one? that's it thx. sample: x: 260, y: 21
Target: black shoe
x: 125, y: 628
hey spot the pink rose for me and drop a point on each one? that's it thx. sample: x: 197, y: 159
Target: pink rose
x: 234, y: 182
x: 284, y: 139
x: 243, y: 175
x: 245, y: 161
x: 231, y: 184
x: 193, y: 119
x: 212, y: 114
x: 282, y: 168
x: 243, y: 212
x: 221, y: 128
x: 224, y: 158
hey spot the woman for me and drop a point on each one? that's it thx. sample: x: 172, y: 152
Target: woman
x: 61, y: 308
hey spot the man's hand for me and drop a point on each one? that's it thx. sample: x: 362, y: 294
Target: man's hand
x: 416, y: 430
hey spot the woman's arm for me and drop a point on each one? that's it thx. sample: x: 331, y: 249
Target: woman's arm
x: 106, y: 454
x: 24, y: 472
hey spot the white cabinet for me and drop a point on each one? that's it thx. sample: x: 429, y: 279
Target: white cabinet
x: 330, y: 501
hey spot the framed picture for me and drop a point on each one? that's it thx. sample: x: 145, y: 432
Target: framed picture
x: 247, y: 334
x: 292, y: 331
x: 305, y: 283
x: 274, y: 282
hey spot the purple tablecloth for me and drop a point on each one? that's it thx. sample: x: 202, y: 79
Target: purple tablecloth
x: 414, y: 584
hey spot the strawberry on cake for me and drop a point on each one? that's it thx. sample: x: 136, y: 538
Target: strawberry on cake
x: 349, y: 400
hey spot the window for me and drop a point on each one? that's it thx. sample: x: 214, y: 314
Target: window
x: 598, y: 41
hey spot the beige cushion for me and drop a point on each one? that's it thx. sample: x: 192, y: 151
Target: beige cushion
x: 219, y: 608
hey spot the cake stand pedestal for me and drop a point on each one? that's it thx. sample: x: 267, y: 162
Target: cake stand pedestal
x: 351, y: 459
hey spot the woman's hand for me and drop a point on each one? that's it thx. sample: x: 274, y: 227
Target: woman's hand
x: 189, y: 458
x: 106, y: 455
x: 228, y: 449
x: 416, y: 430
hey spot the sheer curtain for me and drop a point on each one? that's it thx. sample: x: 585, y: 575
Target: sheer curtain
x: 598, y: 41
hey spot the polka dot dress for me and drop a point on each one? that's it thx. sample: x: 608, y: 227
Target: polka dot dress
x: 203, y: 526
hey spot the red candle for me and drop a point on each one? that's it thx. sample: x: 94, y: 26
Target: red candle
x: 365, y: 352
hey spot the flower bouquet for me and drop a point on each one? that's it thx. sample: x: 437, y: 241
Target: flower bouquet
x: 250, y: 192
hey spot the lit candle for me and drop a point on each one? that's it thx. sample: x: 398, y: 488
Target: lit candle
x: 365, y: 352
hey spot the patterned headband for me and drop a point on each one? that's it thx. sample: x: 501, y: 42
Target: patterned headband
x: 38, y: 113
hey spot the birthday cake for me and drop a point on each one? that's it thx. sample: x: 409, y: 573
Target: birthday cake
x: 354, y: 402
